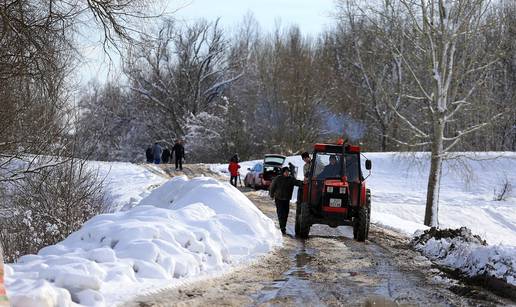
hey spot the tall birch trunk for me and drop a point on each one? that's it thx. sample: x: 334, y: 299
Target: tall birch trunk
x: 432, y: 194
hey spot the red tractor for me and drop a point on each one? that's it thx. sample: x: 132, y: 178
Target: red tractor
x: 335, y: 193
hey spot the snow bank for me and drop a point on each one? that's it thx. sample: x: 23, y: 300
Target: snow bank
x: 183, y: 229
x: 459, y: 249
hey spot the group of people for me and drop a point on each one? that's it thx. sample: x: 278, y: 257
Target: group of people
x: 156, y: 154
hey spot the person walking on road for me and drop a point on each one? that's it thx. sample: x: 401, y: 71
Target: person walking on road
x: 233, y: 170
x: 156, y: 152
x: 281, y: 190
x: 179, y: 151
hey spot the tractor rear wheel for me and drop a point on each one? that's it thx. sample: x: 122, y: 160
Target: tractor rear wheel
x: 303, y: 221
x: 362, y: 224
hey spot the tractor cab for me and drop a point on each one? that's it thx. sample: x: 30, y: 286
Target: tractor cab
x: 335, y: 193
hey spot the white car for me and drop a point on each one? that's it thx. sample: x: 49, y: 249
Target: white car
x: 261, y: 174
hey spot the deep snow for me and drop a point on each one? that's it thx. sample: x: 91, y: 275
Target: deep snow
x: 182, y: 230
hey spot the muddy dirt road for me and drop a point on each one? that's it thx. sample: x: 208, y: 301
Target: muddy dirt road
x: 328, y: 269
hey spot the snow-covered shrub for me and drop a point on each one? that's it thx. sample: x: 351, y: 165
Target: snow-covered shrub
x: 204, y: 137
x: 503, y: 191
x: 205, y: 133
x: 44, y: 208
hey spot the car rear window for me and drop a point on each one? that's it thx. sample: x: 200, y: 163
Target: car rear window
x: 274, y: 160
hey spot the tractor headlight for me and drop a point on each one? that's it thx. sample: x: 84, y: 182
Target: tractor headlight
x: 329, y: 190
x: 342, y: 190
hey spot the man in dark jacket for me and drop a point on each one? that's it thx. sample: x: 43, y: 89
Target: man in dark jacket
x: 148, y: 155
x: 281, y: 190
x: 156, y: 151
x: 179, y: 151
x: 332, y: 170
x: 165, y: 156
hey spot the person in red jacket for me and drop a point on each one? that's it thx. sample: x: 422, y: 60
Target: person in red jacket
x: 233, y: 170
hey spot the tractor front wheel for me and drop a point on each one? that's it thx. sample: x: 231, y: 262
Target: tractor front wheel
x: 361, y: 224
x: 302, y: 221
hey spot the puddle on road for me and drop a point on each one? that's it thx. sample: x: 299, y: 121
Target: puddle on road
x: 300, y: 268
x: 294, y: 283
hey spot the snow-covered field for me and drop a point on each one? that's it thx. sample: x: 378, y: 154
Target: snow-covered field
x: 182, y: 230
x: 466, y: 195
x: 127, y: 184
x: 398, y: 184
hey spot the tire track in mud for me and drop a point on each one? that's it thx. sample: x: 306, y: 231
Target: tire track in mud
x: 327, y: 269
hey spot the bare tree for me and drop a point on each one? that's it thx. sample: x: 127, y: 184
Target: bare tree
x: 36, y: 57
x: 290, y: 92
x: 178, y: 75
x: 448, y: 70
x: 109, y: 127
x: 370, y: 65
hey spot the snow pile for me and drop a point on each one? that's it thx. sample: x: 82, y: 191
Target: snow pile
x: 460, y: 249
x: 183, y: 229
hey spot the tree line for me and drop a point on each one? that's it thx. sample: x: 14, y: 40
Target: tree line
x: 390, y: 77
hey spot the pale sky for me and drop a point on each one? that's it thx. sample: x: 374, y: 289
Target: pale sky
x: 312, y: 16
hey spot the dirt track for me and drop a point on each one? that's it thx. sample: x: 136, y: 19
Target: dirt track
x: 328, y: 269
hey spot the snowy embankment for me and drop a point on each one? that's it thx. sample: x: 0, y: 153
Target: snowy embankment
x: 182, y: 230
x: 398, y: 186
x: 126, y: 184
